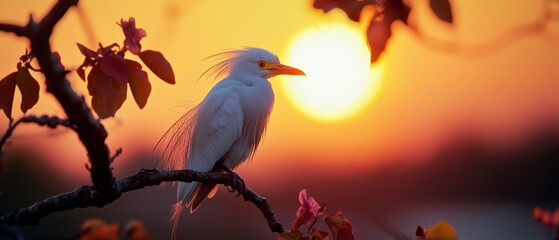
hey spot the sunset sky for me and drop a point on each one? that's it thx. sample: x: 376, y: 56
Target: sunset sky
x: 414, y: 101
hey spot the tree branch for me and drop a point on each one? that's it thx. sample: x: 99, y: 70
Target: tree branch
x: 90, y: 131
x: 51, y: 122
x: 88, y: 196
x: 15, y: 29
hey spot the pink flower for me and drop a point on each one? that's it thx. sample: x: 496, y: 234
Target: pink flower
x: 537, y: 213
x: 309, y: 207
x: 546, y: 218
x: 133, y: 35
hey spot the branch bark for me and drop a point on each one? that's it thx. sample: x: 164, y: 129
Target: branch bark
x: 15, y: 29
x: 90, y: 131
x: 89, y: 196
x: 51, y: 122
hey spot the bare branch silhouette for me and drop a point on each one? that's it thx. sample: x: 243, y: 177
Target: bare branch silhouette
x: 88, y: 196
x: 90, y: 131
x: 51, y: 122
x: 15, y: 29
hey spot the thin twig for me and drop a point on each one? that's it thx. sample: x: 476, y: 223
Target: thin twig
x: 88, y: 196
x: 51, y: 122
x: 15, y: 29
x: 117, y: 153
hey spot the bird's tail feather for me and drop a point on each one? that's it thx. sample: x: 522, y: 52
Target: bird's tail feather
x: 205, y: 190
x: 175, y: 214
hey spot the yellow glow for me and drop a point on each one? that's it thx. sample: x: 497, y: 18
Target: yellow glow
x: 340, y: 81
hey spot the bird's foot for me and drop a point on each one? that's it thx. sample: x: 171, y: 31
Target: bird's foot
x: 238, y: 184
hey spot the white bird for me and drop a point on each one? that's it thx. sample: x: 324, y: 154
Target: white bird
x: 225, y: 129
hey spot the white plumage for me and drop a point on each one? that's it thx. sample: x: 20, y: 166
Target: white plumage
x: 227, y: 126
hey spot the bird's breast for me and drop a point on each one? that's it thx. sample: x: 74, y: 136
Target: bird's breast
x: 258, y: 101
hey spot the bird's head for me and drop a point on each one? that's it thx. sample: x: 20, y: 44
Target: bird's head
x: 250, y: 62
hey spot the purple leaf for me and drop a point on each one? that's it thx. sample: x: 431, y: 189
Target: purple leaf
x: 157, y: 63
x: 29, y: 88
x: 139, y: 83
x: 107, y: 93
x: 86, y: 51
x: 7, y: 89
x: 114, y: 66
x: 379, y: 32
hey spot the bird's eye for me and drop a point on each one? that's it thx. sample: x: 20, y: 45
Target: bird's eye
x: 261, y: 64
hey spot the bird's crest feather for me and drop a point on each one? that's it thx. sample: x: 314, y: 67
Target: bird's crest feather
x: 226, y: 60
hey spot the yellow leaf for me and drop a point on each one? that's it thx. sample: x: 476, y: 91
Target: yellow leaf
x: 135, y: 230
x: 339, y: 226
x: 95, y: 229
x: 441, y: 231
x: 91, y: 223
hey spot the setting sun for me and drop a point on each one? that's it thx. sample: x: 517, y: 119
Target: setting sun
x: 340, y: 81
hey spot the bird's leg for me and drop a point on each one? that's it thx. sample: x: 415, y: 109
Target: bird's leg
x: 238, y: 182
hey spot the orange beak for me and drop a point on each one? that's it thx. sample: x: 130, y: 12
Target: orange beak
x: 278, y: 69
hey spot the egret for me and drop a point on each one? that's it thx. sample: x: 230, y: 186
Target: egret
x: 225, y: 129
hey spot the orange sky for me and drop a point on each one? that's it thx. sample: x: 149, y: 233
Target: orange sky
x: 426, y: 96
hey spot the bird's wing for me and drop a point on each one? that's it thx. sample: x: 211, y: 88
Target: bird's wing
x: 172, y: 147
x: 219, y: 123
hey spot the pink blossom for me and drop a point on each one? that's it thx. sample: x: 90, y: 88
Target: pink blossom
x: 537, y: 213
x: 309, y: 207
x: 546, y: 218
x: 555, y: 218
x: 133, y: 35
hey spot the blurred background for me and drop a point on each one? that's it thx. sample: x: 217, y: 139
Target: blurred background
x: 459, y: 133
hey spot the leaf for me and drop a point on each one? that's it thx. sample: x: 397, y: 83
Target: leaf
x: 87, y: 62
x: 378, y: 34
x: 441, y: 231
x: 419, y: 232
x: 90, y: 224
x: 107, y: 93
x: 29, y: 88
x: 7, y: 89
x: 86, y: 51
x: 379, y: 31
x: 352, y: 8
x: 157, y: 63
x: 114, y: 66
x: 442, y: 9
x: 139, y: 83
x: 81, y: 72
x: 95, y: 229
x: 290, y: 235
x: 339, y: 226
x: 135, y: 230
